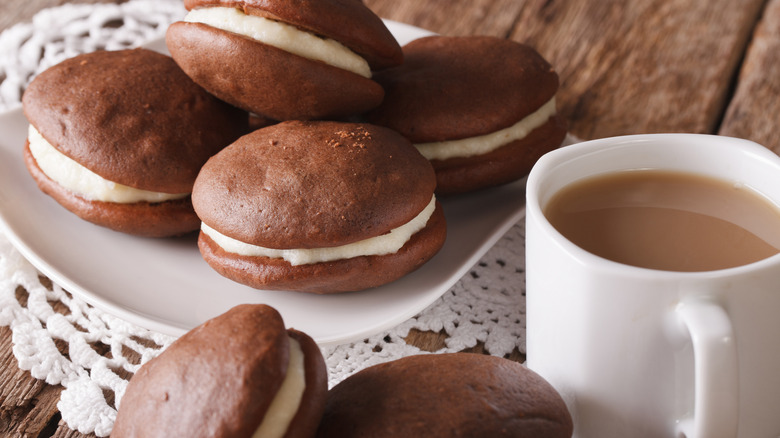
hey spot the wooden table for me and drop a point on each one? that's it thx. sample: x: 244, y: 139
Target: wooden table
x: 626, y: 67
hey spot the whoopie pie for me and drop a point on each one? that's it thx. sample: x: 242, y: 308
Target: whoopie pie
x: 118, y: 137
x: 445, y: 395
x: 481, y: 108
x: 239, y: 375
x: 318, y: 207
x: 283, y: 59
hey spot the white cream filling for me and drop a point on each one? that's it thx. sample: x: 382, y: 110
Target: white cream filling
x: 285, y: 405
x: 468, y: 147
x: 82, y: 181
x: 380, y: 245
x: 282, y: 36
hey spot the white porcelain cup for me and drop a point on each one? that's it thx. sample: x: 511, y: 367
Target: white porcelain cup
x: 638, y: 352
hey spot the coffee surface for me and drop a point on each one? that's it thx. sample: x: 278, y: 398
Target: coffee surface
x: 667, y: 220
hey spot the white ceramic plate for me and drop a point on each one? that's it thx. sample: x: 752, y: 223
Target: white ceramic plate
x: 164, y: 285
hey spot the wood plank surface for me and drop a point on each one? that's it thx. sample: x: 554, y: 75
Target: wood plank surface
x: 639, y: 67
x: 625, y: 67
x: 754, y: 111
x: 28, y: 406
x: 454, y: 17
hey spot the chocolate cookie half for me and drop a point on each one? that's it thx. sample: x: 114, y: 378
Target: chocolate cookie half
x: 482, y: 109
x: 445, y: 395
x: 318, y: 207
x: 119, y: 137
x: 239, y: 375
x: 285, y: 60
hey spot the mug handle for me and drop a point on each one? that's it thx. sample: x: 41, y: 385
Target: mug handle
x: 716, y: 391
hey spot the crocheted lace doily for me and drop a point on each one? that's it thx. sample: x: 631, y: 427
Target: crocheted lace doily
x: 486, y: 306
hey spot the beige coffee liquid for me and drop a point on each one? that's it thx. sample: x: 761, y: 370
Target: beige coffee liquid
x: 666, y: 220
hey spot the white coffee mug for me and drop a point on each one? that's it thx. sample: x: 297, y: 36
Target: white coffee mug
x: 638, y: 352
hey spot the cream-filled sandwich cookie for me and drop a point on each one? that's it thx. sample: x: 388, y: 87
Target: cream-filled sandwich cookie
x: 119, y: 137
x: 318, y: 207
x: 239, y: 375
x: 285, y: 60
x: 481, y: 109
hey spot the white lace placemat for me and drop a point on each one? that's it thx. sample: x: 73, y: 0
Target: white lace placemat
x: 486, y: 306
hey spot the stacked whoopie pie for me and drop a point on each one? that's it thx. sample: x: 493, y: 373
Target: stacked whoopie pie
x: 122, y: 138
x: 314, y: 206
x: 284, y: 207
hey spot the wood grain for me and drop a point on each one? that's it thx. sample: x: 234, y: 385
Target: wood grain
x: 754, y: 111
x: 27, y: 405
x: 453, y: 17
x: 662, y: 66
x: 626, y: 67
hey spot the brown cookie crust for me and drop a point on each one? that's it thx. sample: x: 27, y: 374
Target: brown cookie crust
x: 305, y: 422
x: 161, y: 219
x: 344, y: 275
x: 445, y: 395
x: 313, y: 185
x: 501, y: 166
x: 217, y: 380
x: 349, y: 22
x: 266, y: 80
x: 132, y: 117
x: 450, y: 88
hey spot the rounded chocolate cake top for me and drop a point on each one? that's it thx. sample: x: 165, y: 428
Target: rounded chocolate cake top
x: 313, y: 185
x: 349, y: 22
x: 443, y: 395
x: 451, y: 88
x: 132, y: 117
